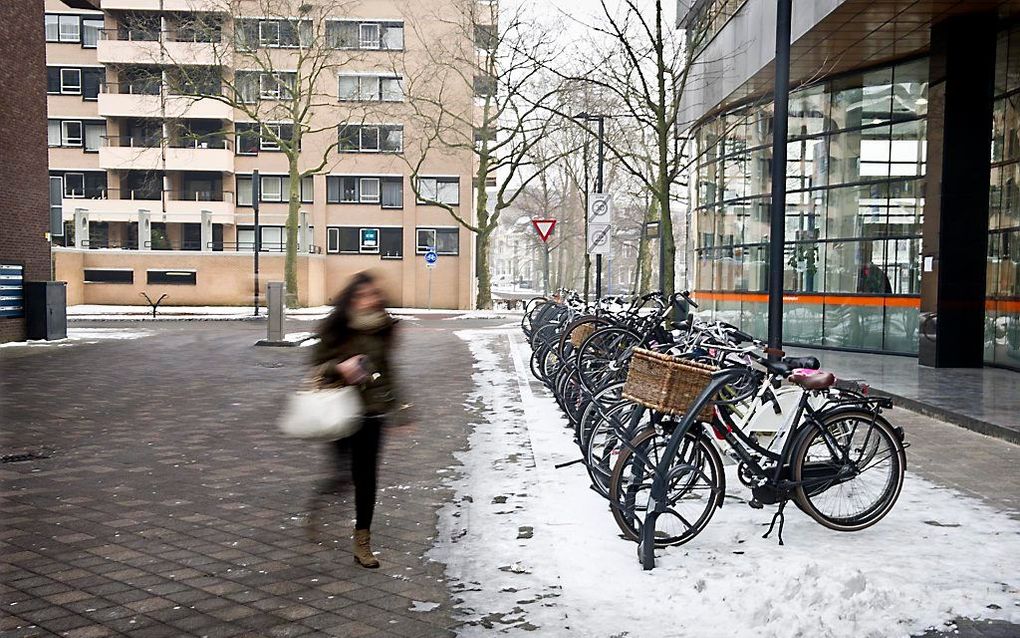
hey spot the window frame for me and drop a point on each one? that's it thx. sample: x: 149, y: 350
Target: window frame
x: 263, y: 42
x: 437, y: 180
x: 56, y: 25
x: 65, y: 91
x: 237, y: 191
x: 69, y: 20
x: 99, y: 26
x: 361, y: 240
x: 267, y: 143
x: 71, y: 195
x: 262, y: 188
x: 361, y: 36
x: 332, y: 240
x: 50, y: 124
x: 65, y: 137
x: 419, y: 248
x: 435, y: 230
x: 361, y: 190
x: 311, y: 189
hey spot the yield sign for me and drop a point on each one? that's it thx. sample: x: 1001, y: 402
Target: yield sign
x: 544, y: 227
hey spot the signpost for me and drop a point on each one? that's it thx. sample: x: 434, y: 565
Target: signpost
x: 431, y: 257
x: 600, y: 227
x: 544, y: 228
x: 256, y: 195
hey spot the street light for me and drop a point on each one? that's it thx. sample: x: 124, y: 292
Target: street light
x: 587, y: 117
x: 777, y: 214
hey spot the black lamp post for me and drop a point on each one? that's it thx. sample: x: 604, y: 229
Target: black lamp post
x: 777, y: 215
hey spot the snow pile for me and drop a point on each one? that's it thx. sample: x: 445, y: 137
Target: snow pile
x: 81, y: 335
x: 530, y: 546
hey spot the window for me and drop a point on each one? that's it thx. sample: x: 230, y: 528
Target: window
x: 393, y: 192
x: 369, y: 189
x: 70, y: 81
x: 371, y: 138
x: 274, y: 85
x: 90, y: 30
x: 332, y: 240
x: 371, y: 88
x: 53, y: 135
x: 307, y: 189
x: 272, y: 239
x: 446, y: 241
x: 269, y: 33
x: 391, y: 243
x: 74, y: 185
x: 244, y: 191
x: 369, y: 240
x: 370, y: 35
x: 246, y: 138
x: 91, y: 80
x: 71, y: 134
x: 272, y: 189
x: 445, y: 190
x: 52, y: 28
x: 69, y: 28
x: 350, y: 240
x: 94, y: 136
x: 253, y: 85
x: 266, y: 142
x: 171, y: 277
x: 426, y: 240
x: 109, y: 276
x: 349, y: 34
x: 486, y: 37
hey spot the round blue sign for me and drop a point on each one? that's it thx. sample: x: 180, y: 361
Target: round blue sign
x: 431, y: 257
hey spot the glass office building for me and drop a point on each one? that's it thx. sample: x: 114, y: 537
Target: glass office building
x: 855, y: 210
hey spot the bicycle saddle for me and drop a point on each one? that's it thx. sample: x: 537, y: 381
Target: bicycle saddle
x: 812, y: 379
x: 789, y: 364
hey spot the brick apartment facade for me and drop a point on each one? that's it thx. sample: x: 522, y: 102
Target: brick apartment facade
x: 24, y: 198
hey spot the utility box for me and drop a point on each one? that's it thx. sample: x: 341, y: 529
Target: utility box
x: 45, y: 310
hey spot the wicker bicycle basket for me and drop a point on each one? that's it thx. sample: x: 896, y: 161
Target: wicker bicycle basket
x: 580, y: 333
x: 665, y: 383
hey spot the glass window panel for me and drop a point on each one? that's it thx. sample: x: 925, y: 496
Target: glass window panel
x: 425, y: 239
x: 759, y: 172
x: 392, y: 193
x: 349, y: 189
x: 910, y: 90
x: 52, y: 28
x: 901, y: 329
x: 90, y: 30
x: 94, y: 136
x: 393, y: 139
x: 392, y: 89
x: 447, y: 241
x: 370, y: 138
x: 1001, y: 61
x: 908, y: 148
x: 1011, y: 127
x: 70, y: 28
x: 857, y: 211
x: 853, y: 324
x: 1009, y: 216
x: 71, y: 133
x: 369, y: 189
x: 393, y: 36
x: 802, y: 321
x: 998, y: 130
x: 244, y: 191
x: 448, y: 192
x: 808, y: 110
x: 349, y: 87
x: 1013, y: 61
x: 332, y: 189
x: 307, y: 189
x: 861, y: 100
x: 53, y: 132
x: 272, y: 189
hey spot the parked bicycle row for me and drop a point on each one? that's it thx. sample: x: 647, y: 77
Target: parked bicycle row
x: 658, y: 399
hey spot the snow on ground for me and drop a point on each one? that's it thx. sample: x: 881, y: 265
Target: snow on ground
x: 527, y: 545
x: 92, y: 312
x: 81, y: 335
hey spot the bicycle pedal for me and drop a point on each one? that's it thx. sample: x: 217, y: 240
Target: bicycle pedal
x: 755, y: 504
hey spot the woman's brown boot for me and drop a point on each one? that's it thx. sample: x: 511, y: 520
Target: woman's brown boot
x: 363, y: 549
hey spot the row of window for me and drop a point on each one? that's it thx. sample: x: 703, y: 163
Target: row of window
x: 253, y: 33
x: 72, y: 28
x: 252, y: 86
x: 127, y: 276
x: 387, y: 242
x: 387, y: 191
x: 85, y: 134
x: 83, y: 81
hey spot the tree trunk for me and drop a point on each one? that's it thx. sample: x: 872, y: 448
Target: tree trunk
x: 290, y: 261
x: 484, y: 298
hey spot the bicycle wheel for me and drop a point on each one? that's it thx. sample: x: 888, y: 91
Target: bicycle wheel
x: 850, y: 471
x: 694, y: 490
x: 597, y: 403
x: 615, y: 425
x: 601, y: 354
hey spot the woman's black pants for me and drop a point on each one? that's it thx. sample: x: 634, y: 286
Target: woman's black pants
x: 359, y: 455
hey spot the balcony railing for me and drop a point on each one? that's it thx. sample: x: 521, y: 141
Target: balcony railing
x: 196, y: 141
x: 192, y: 245
x: 149, y: 194
x: 145, y: 86
x: 266, y: 247
x: 209, y: 35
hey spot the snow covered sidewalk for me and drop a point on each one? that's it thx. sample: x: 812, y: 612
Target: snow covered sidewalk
x: 91, y: 312
x: 531, y: 547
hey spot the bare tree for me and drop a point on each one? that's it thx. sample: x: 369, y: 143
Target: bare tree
x: 480, y: 94
x: 643, y: 64
x: 279, y: 72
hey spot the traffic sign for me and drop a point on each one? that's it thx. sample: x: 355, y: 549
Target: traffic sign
x: 544, y: 227
x: 599, y: 239
x: 600, y: 208
x: 431, y: 257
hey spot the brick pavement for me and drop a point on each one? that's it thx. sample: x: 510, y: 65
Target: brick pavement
x: 169, y: 505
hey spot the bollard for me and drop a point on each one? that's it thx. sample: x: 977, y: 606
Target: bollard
x: 274, y: 310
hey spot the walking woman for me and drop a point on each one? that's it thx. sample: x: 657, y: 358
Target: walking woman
x: 354, y: 347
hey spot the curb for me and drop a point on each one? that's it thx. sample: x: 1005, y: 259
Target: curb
x: 987, y: 428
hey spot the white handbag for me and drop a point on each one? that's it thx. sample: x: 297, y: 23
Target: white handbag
x: 322, y: 414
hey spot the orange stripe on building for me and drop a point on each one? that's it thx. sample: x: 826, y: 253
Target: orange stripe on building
x: 844, y: 300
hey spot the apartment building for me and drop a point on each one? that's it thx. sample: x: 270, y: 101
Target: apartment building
x: 902, y: 215
x: 151, y: 168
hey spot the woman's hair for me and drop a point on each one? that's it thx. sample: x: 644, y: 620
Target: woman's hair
x: 335, y: 328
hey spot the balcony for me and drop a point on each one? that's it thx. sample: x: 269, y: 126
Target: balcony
x: 112, y: 205
x: 137, y: 153
x: 163, y: 5
x: 118, y: 48
x: 138, y: 100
